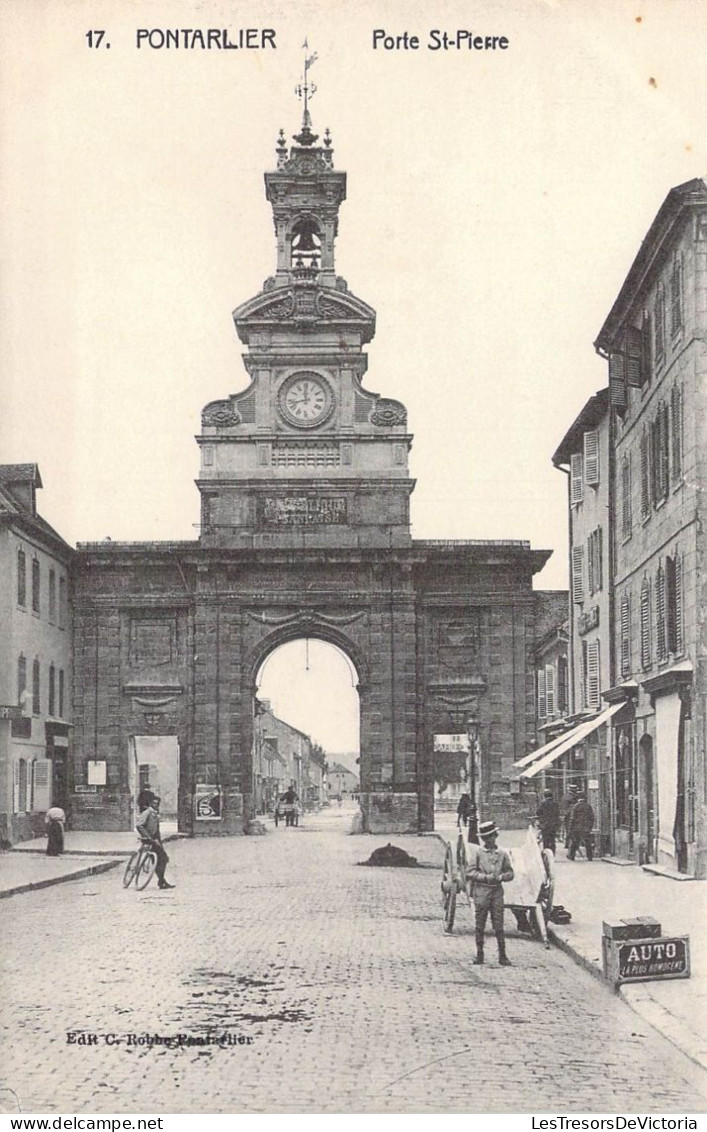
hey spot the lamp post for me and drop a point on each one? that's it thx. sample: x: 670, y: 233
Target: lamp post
x: 472, y: 730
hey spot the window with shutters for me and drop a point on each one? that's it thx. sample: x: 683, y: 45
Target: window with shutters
x: 21, y: 678
x: 63, y: 603
x: 591, y: 457
x: 625, y: 635
x: 617, y: 382
x: 593, y: 675
x: 35, y: 585
x: 21, y: 786
x: 578, y: 574
x: 661, y: 643
x: 550, y: 689
x: 542, y: 701
x: 634, y: 356
x: 646, y: 624
x: 594, y: 561
x: 576, y: 478
x: 645, y: 474
x: 676, y: 432
x: 21, y: 578
x: 659, y: 454
x: 562, y: 685
x: 626, y: 523
x: 61, y: 693
x: 52, y: 689
x: 646, y: 347
x: 36, y: 689
x: 673, y: 604
x: 52, y: 596
x: 659, y: 323
x: 676, y: 296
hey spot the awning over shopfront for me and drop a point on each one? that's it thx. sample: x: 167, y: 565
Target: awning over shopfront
x: 552, y: 751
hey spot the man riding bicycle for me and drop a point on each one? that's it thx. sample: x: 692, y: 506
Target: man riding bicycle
x: 148, y: 826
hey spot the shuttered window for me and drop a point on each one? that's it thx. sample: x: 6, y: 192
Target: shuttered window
x: 576, y: 478
x: 35, y: 585
x: 645, y: 475
x: 21, y: 678
x: 626, y: 523
x: 52, y: 596
x: 660, y: 634
x: 673, y: 604
x: 659, y: 323
x: 21, y: 578
x: 625, y: 631
x: 562, y: 685
x: 542, y: 699
x: 52, y: 689
x: 550, y: 689
x: 591, y: 457
x: 659, y: 455
x: 647, y: 347
x: 676, y: 296
x: 676, y: 437
x: 634, y: 357
x: 593, y: 674
x: 646, y: 624
x: 617, y: 382
x: 36, y: 689
x: 578, y: 574
x: 61, y: 693
x: 594, y: 561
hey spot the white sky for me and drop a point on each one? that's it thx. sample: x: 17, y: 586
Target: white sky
x: 496, y: 202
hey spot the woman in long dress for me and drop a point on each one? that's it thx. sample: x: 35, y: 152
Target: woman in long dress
x: 55, y: 819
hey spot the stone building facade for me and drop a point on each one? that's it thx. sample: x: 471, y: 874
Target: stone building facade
x: 305, y: 532
x: 35, y: 658
x: 638, y: 618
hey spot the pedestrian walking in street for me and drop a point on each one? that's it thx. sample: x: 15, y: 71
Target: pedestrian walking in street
x: 145, y: 798
x: 548, y: 817
x: 488, y: 869
x: 464, y: 810
x: 580, y: 829
x: 148, y: 826
x: 55, y: 820
x: 567, y: 804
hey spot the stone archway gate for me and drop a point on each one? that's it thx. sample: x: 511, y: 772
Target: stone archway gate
x: 169, y: 638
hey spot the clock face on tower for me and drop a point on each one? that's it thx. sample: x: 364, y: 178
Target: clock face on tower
x: 305, y: 399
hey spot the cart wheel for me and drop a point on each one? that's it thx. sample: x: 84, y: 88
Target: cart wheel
x: 547, y: 891
x: 449, y: 890
x: 461, y: 856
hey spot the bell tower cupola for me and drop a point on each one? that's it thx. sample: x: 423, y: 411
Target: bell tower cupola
x: 305, y: 456
x: 305, y: 192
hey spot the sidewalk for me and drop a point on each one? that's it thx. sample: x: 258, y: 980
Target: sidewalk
x: 26, y: 867
x: 594, y: 891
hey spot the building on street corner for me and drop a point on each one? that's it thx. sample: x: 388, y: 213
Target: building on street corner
x: 636, y: 464
x: 35, y: 659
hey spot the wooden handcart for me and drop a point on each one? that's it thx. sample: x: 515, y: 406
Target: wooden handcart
x: 531, y: 892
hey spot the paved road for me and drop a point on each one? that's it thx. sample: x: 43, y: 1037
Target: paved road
x: 339, y: 980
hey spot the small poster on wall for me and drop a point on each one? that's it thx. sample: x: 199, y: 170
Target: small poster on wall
x: 207, y: 802
x: 96, y: 772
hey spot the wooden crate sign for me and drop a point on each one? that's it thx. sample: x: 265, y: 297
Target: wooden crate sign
x: 638, y: 960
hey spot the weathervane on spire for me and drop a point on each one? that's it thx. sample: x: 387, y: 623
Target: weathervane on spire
x: 306, y: 90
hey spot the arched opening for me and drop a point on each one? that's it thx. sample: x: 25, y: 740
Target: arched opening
x: 306, y: 244
x: 306, y: 726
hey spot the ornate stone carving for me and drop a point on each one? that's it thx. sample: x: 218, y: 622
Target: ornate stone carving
x: 305, y: 617
x: 388, y: 413
x: 220, y: 414
x: 330, y: 308
x: 281, y: 308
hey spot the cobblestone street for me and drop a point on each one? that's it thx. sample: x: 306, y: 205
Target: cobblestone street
x: 339, y: 980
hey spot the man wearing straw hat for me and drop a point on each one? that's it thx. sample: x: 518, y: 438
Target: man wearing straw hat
x: 488, y: 869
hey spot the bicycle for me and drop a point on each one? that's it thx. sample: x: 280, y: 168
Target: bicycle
x: 141, y: 866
